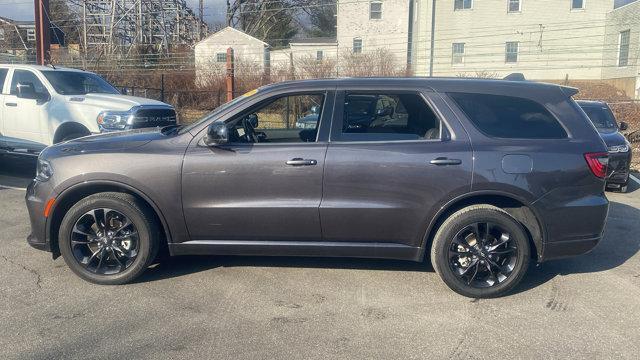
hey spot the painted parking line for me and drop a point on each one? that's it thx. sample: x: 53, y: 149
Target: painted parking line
x: 634, y: 179
x: 12, y: 188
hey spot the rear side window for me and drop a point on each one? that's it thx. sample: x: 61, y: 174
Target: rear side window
x: 384, y: 117
x: 509, y: 116
x: 3, y: 76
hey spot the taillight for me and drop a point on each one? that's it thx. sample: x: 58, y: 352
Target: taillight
x: 598, y: 163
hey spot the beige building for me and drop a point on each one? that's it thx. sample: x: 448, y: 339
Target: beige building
x: 621, y: 55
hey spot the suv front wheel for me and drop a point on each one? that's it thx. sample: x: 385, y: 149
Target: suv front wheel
x: 481, y: 251
x: 109, y: 238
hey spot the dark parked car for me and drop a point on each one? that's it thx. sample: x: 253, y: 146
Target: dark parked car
x: 619, y: 148
x: 483, y: 176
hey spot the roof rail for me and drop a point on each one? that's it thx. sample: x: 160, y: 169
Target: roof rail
x: 515, y: 77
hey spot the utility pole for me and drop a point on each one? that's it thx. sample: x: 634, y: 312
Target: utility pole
x: 228, y: 13
x: 201, y: 16
x: 43, y: 40
x: 433, y: 36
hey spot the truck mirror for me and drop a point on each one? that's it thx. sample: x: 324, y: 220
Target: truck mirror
x: 217, y: 134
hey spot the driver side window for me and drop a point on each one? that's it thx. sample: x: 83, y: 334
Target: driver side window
x: 26, y: 77
x: 286, y: 119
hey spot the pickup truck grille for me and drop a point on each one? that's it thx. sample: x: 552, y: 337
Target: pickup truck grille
x: 147, y: 117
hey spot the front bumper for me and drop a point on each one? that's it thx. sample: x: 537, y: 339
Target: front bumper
x: 36, y: 198
x: 618, y: 168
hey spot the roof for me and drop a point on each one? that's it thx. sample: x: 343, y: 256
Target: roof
x: 17, y: 22
x: 228, y: 29
x: 453, y: 84
x: 39, y: 67
x: 316, y: 40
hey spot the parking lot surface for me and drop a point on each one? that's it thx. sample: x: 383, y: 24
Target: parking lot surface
x: 302, y: 308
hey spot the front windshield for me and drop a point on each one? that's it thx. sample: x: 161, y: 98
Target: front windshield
x: 78, y: 83
x: 601, y: 117
x: 219, y: 110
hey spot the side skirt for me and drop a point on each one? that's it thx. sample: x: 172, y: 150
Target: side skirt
x: 297, y: 248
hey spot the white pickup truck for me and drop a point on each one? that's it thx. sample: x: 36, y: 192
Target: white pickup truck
x: 41, y: 105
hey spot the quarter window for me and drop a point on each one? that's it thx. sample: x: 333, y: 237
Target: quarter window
x: 375, y: 10
x: 458, y: 53
x: 286, y: 119
x: 221, y: 57
x: 514, y: 6
x: 511, y: 52
x: 623, y: 52
x: 357, y: 46
x: 509, y: 116
x: 462, y: 4
x: 577, y: 4
x: 385, y: 117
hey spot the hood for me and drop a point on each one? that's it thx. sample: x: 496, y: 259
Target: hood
x: 107, y: 142
x: 113, y: 101
x: 612, y: 137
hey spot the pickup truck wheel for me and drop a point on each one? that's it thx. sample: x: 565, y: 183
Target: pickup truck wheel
x: 481, y: 251
x: 109, y: 238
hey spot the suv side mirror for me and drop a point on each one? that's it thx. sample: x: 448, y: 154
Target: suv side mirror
x: 26, y: 91
x: 623, y: 126
x: 217, y: 134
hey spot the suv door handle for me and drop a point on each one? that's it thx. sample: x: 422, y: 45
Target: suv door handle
x: 301, y: 162
x: 445, y: 161
x: 11, y: 104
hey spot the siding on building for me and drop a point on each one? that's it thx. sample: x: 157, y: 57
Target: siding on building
x: 626, y: 77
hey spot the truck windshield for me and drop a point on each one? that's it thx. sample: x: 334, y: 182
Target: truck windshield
x: 78, y: 83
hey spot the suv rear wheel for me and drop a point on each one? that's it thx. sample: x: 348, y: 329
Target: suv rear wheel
x: 481, y: 251
x: 109, y: 238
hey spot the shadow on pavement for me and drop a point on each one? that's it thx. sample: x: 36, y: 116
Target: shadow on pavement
x: 16, y: 171
x: 614, y: 250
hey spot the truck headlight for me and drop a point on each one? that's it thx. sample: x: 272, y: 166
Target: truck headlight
x: 44, y: 171
x: 619, y: 148
x: 114, y: 120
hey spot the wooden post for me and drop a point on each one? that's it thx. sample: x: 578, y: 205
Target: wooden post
x: 230, y: 75
x: 43, y: 39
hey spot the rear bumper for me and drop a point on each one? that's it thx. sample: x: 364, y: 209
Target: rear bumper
x: 569, y: 248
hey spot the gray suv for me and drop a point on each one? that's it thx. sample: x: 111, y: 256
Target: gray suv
x: 483, y: 176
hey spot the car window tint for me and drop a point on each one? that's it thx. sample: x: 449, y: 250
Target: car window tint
x: 284, y: 119
x: 509, y: 116
x: 3, y: 76
x: 26, y: 77
x: 383, y: 117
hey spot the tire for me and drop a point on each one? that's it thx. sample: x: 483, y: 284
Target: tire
x: 448, y: 257
x: 114, y: 263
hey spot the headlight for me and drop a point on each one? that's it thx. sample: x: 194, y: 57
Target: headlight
x: 619, y: 149
x: 114, y: 120
x: 44, y: 171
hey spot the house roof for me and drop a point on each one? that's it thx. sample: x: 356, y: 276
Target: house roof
x: 17, y: 22
x: 316, y: 40
x: 227, y: 30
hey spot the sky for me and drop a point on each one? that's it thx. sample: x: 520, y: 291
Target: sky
x: 214, y: 10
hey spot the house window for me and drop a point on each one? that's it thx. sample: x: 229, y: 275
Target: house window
x: 577, y: 4
x: 221, y: 57
x: 462, y: 4
x: 457, y: 56
x: 319, y: 55
x: 375, y: 10
x: 623, y: 51
x: 511, y: 52
x: 514, y: 6
x: 31, y: 34
x: 357, y: 46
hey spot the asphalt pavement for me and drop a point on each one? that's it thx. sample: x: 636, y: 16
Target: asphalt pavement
x: 314, y: 308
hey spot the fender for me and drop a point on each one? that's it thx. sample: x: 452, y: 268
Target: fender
x: 452, y: 202
x: 92, y: 183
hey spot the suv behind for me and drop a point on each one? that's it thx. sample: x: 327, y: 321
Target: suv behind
x: 483, y: 176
